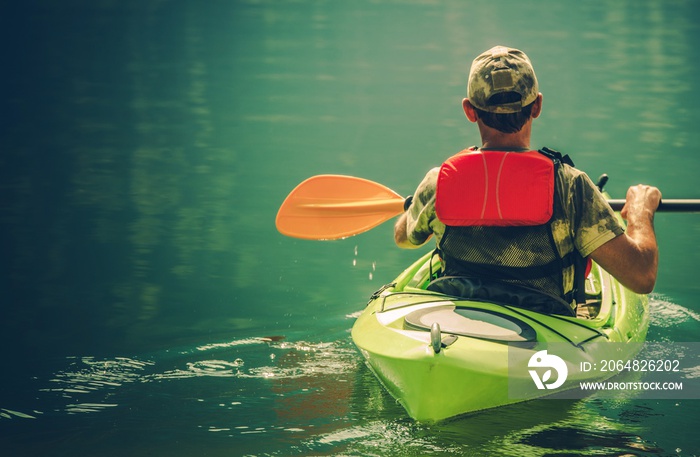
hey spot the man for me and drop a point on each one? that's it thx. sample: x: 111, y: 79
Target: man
x: 537, y: 248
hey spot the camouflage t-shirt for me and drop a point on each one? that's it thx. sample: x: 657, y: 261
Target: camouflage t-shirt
x: 589, y: 223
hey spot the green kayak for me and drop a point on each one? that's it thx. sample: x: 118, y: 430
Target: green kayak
x: 444, y: 355
x: 441, y: 356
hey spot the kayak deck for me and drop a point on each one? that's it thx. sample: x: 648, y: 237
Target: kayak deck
x: 464, y: 368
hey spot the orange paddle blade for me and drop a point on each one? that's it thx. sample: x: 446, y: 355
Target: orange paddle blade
x: 329, y: 207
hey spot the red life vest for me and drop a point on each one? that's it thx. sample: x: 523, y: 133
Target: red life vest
x: 495, y: 188
x: 490, y: 201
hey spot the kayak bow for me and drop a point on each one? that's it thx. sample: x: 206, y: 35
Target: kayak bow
x: 443, y: 356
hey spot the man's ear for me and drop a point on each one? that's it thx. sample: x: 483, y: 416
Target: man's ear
x: 537, y: 106
x: 469, y: 110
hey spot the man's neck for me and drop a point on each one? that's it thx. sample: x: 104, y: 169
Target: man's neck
x: 494, y: 139
x: 504, y: 147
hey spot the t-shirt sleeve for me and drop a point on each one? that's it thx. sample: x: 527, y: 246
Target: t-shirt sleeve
x: 421, y: 213
x: 595, y: 223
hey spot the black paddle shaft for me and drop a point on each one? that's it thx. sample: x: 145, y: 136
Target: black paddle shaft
x: 667, y: 206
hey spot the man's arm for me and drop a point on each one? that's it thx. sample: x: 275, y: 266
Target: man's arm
x: 415, y: 221
x: 633, y: 257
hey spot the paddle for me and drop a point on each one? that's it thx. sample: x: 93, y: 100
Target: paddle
x: 666, y: 206
x: 329, y: 207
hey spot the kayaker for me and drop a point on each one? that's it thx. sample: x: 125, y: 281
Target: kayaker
x: 503, y: 99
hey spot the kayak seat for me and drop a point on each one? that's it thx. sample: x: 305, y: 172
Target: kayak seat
x: 472, y: 322
x: 501, y: 293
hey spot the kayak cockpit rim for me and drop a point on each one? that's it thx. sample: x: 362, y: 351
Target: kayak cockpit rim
x: 472, y: 322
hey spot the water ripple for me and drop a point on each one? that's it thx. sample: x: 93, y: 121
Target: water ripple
x: 86, y: 374
x: 9, y: 414
x: 90, y: 384
x: 664, y: 313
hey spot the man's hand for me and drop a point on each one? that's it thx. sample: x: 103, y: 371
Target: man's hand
x: 400, y: 235
x: 641, y: 200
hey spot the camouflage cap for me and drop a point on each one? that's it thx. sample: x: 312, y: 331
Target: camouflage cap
x: 501, y: 69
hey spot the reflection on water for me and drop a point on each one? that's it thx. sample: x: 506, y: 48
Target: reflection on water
x: 574, y: 428
x: 288, y: 370
x: 320, y: 398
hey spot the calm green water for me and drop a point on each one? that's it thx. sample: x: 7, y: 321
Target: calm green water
x: 148, y: 305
